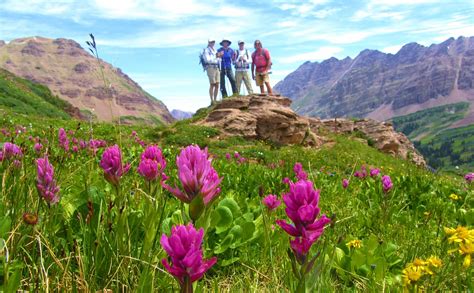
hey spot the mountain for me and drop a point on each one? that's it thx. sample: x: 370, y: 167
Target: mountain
x: 77, y: 77
x: 381, y: 86
x: 180, y: 115
x: 26, y: 97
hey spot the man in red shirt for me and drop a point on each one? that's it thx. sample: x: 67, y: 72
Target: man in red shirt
x: 262, y: 62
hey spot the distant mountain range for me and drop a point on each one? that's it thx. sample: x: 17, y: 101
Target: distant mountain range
x: 180, y: 115
x: 75, y: 76
x: 382, y: 86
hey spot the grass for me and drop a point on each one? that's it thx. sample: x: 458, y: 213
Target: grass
x: 78, y: 244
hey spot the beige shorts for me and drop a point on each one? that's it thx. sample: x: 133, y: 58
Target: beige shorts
x: 261, y: 78
x: 214, y: 74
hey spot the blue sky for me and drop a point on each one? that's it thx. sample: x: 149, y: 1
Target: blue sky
x: 157, y: 42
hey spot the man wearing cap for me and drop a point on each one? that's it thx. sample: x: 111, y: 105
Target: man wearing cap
x: 212, y: 59
x: 242, y: 65
x: 262, y: 62
x: 226, y: 67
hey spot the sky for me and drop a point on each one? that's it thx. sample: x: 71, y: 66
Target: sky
x: 157, y: 42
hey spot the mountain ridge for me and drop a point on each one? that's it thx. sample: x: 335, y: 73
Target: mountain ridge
x: 76, y: 77
x: 381, y: 85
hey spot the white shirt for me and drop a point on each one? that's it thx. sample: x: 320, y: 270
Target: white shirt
x: 243, y: 61
x: 210, y: 56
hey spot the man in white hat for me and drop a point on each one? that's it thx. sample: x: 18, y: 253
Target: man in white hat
x: 212, y: 60
x: 226, y: 67
x: 242, y: 65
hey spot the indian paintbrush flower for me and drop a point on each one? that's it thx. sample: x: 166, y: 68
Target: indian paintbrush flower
x: 469, y: 177
x: 111, y: 163
x: 271, y: 202
x: 184, y: 249
x: 362, y: 173
x: 152, y: 164
x: 63, y: 140
x: 45, y: 182
x: 345, y: 183
x: 38, y: 147
x: 374, y: 172
x: 10, y: 151
x: 299, y: 172
x: 197, y: 176
x: 302, y: 208
x: 386, y: 183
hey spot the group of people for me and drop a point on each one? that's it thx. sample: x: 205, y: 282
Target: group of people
x: 218, y: 65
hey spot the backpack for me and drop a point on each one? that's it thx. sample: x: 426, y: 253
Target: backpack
x: 202, y: 59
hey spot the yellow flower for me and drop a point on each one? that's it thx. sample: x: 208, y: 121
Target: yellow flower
x: 434, y: 261
x: 354, y: 243
x: 467, y: 261
x: 460, y: 235
x: 427, y: 214
x: 411, y: 274
x: 419, y: 262
x: 454, y: 196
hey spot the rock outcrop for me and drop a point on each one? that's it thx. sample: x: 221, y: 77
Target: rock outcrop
x: 75, y: 75
x: 381, y: 86
x: 271, y: 118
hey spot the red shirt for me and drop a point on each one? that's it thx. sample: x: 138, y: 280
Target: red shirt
x: 260, y: 58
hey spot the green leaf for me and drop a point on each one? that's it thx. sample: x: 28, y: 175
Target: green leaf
x: 222, y: 219
x: 231, y: 204
x: 225, y: 244
x: 227, y: 262
x: 196, y: 207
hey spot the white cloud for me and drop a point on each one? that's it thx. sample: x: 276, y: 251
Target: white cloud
x: 320, y: 54
x: 402, y: 2
x: 392, y: 49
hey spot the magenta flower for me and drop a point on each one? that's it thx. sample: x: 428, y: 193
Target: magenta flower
x: 271, y: 202
x: 345, y: 183
x: 184, y: 251
x: 469, y: 177
x: 228, y: 156
x: 362, y: 173
x: 197, y: 176
x: 75, y: 149
x: 152, y: 164
x: 303, y: 210
x: 386, y: 183
x: 374, y: 172
x: 286, y: 180
x: 111, y: 163
x: 38, y: 147
x: 299, y: 172
x: 10, y: 151
x: 63, y: 140
x: 95, y: 144
x: 82, y: 144
x: 45, y: 182
x: 236, y: 155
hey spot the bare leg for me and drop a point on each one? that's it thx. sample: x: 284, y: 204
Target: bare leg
x: 262, y: 90
x: 211, y: 92
x: 216, y: 91
x: 269, y: 88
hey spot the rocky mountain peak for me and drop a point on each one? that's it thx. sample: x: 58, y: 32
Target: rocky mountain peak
x: 71, y: 73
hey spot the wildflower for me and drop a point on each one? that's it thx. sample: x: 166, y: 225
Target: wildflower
x: 63, y: 140
x: 111, y: 163
x: 241, y: 160
x: 152, y: 164
x: 271, y: 202
x: 466, y: 249
x: 184, y: 251
x: 134, y: 133
x: 286, y: 180
x: 362, y: 173
x: 354, y: 243
x: 469, y: 177
x: 236, y: 155
x: 228, y: 156
x: 10, y: 151
x: 197, y: 176
x: 302, y: 208
x: 45, y: 182
x: 454, y: 196
x: 299, y: 172
x: 75, y: 148
x: 17, y: 164
x: 464, y: 238
x: 38, y: 147
x: 30, y: 219
x: 82, y: 144
x: 386, y: 183
x: 434, y: 261
x: 374, y: 172
x: 345, y: 183
x: 411, y: 274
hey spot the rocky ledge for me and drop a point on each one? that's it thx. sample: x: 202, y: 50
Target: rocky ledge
x: 271, y: 118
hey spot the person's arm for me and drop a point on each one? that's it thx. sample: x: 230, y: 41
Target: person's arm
x: 208, y: 56
x: 253, y: 69
x: 269, y: 60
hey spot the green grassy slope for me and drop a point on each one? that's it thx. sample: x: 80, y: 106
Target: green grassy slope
x: 26, y: 97
x: 443, y: 147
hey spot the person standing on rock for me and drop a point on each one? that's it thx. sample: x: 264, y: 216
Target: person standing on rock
x: 226, y: 67
x: 242, y: 65
x: 212, y: 60
x: 261, y: 63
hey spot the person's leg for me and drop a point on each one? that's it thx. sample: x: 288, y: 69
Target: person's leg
x: 216, y: 91
x: 223, y: 90
x: 247, y: 82
x: 211, y: 92
x: 269, y: 88
x: 230, y: 75
x: 259, y: 80
x: 238, y: 79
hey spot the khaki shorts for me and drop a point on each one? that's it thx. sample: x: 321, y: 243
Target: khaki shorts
x: 261, y: 78
x: 214, y: 74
